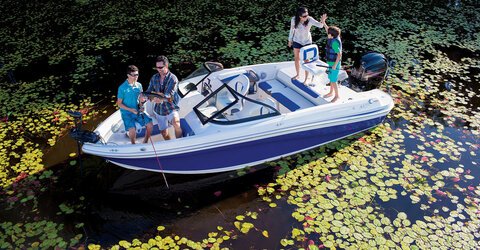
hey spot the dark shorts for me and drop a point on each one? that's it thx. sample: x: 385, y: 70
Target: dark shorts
x: 298, y: 46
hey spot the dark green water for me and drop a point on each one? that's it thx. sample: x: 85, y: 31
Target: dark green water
x: 87, y: 44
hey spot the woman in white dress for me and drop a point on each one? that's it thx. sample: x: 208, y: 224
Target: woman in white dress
x: 300, y: 35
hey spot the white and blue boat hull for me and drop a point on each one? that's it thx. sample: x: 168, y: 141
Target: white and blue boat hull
x: 233, y: 132
x: 241, y: 155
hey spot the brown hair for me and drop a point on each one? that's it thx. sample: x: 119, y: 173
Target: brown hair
x: 131, y: 68
x: 334, y: 31
x: 163, y: 59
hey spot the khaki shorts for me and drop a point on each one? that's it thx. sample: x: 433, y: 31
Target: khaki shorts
x: 165, y: 121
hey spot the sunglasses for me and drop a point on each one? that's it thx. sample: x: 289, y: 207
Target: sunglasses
x: 304, y: 16
x: 159, y: 67
x: 133, y: 75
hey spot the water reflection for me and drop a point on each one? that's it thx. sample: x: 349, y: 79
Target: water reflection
x: 123, y: 204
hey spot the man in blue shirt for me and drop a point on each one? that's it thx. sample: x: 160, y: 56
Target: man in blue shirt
x: 128, y: 99
x: 165, y: 84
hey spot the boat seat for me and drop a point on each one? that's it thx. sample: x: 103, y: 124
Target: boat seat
x: 269, y: 102
x: 228, y: 76
x: 186, y: 129
x: 224, y: 98
x: 313, y: 94
x: 240, y: 84
x: 252, y: 109
x: 286, y: 96
x: 149, y: 111
x: 309, y: 58
x: 142, y: 130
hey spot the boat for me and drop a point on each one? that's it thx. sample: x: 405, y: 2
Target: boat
x: 244, y: 116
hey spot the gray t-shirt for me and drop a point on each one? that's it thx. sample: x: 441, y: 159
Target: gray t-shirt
x: 302, y: 34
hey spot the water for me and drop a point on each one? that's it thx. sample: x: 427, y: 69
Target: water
x: 111, y: 204
x: 120, y: 203
x: 123, y: 204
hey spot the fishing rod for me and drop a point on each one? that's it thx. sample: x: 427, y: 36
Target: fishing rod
x: 155, y: 95
x: 159, y: 164
x: 330, y: 67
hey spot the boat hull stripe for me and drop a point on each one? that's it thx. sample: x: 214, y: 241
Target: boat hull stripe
x: 246, y: 152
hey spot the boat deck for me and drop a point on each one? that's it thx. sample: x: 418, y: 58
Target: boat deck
x: 316, y: 92
x: 121, y: 138
x: 289, y: 96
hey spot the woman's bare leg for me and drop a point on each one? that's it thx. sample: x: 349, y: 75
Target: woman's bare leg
x: 296, y: 53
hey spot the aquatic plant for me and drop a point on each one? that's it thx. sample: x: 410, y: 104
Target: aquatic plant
x: 343, y: 195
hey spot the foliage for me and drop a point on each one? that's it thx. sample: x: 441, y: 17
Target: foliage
x: 339, y: 195
x: 36, y: 235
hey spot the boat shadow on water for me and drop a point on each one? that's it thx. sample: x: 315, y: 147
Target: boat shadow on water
x: 132, y: 203
x: 97, y: 178
x: 107, y: 181
x: 149, y: 185
x: 115, y: 203
x: 123, y: 204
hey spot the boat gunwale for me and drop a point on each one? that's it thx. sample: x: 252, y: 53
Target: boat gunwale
x: 163, y: 149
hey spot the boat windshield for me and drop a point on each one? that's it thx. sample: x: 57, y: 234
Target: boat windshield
x: 226, y: 106
x: 191, y: 82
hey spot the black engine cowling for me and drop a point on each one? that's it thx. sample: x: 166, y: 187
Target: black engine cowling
x: 369, y: 71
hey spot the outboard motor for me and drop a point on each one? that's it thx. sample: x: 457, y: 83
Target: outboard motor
x: 369, y: 71
x: 80, y: 135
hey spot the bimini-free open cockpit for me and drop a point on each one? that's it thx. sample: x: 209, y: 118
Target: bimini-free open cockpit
x: 239, y: 117
x: 229, y: 104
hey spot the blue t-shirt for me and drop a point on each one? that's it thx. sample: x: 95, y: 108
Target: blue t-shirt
x: 129, y: 94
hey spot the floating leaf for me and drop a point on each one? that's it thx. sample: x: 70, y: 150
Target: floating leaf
x: 415, y: 199
x: 328, y: 244
x: 124, y: 244
x: 265, y: 233
x: 407, y: 240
